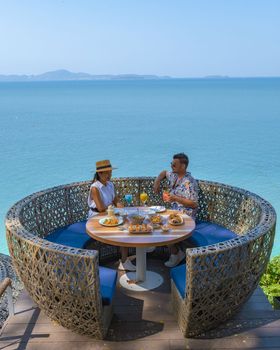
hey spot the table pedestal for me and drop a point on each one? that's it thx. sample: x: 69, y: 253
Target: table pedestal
x: 143, y: 280
x: 141, y: 264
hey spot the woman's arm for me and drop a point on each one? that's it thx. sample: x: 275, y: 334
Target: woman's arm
x: 117, y: 203
x: 95, y: 195
x: 161, y: 176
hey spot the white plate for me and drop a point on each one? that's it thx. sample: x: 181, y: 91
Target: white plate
x: 120, y: 221
x: 147, y: 211
x: 158, y: 208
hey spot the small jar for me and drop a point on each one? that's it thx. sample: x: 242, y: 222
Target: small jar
x: 111, y: 211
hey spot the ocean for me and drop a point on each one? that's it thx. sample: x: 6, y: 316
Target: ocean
x: 52, y: 133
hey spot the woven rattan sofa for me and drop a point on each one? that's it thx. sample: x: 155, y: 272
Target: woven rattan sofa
x: 64, y: 281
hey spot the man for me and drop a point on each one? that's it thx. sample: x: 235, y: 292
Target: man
x: 183, y: 196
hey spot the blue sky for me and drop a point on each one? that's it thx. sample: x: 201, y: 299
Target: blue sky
x: 180, y: 38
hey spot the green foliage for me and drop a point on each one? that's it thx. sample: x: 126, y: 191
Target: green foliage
x: 270, y: 281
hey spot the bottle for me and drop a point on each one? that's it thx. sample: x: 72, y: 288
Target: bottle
x: 111, y: 211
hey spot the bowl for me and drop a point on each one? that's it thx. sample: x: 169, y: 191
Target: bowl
x: 156, y: 219
x: 165, y: 228
x: 136, y: 219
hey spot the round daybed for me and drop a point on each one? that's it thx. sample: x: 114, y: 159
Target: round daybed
x: 70, y: 286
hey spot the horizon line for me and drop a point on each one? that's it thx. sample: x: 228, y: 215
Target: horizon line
x: 153, y: 76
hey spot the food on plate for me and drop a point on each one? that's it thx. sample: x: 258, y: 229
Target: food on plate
x: 111, y: 221
x: 156, y: 219
x: 136, y: 219
x: 144, y: 228
x: 176, y: 219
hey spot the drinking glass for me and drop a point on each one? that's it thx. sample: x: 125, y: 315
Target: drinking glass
x: 128, y: 199
x: 165, y: 195
x: 143, y: 198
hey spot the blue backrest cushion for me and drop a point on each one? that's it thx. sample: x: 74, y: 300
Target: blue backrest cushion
x: 72, y: 235
x: 207, y: 233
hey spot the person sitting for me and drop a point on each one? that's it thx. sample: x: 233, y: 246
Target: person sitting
x: 101, y: 195
x: 183, y: 196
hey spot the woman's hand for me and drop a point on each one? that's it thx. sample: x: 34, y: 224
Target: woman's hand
x: 120, y: 205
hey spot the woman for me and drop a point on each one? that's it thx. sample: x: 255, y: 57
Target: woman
x: 101, y: 195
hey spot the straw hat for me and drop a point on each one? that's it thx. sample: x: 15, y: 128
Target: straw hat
x: 103, y: 165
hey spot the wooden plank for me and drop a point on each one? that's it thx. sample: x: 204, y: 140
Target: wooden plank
x: 123, y: 331
x: 93, y: 345
x: 31, y: 315
x: 257, y: 314
x: 233, y: 343
x: 145, y: 320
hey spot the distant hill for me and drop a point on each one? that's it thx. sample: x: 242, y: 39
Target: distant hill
x: 62, y: 74
x: 217, y: 77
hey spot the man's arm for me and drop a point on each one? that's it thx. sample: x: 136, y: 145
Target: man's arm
x: 181, y: 200
x: 161, y: 176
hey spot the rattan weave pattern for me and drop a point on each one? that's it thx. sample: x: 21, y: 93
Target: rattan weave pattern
x: 64, y: 281
x: 221, y: 277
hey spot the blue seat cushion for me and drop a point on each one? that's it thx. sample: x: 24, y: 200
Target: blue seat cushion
x: 207, y: 233
x: 108, y: 281
x: 72, y: 235
x: 178, y: 275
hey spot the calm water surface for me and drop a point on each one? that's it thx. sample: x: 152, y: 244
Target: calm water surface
x: 52, y: 133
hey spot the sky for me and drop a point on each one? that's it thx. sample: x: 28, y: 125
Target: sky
x: 179, y: 38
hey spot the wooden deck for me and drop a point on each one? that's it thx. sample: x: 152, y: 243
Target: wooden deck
x: 145, y: 321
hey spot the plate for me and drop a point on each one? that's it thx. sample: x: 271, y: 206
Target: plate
x: 147, y: 211
x: 176, y: 224
x: 157, y: 224
x: 158, y: 208
x: 102, y: 222
x: 179, y: 224
x: 149, y: 229
x: 121, y: 212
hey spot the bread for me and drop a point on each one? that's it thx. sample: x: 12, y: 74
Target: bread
x: 143, y: 228
x: 176, y: 219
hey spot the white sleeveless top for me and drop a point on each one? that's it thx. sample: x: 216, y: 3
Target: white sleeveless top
x: 107, y: 194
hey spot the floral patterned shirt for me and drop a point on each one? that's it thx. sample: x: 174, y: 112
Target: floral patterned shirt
x: 186, y: 187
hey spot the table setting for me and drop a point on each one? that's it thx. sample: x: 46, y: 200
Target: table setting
x: 140, y: 227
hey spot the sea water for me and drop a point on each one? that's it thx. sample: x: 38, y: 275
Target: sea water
x: 52, y: 133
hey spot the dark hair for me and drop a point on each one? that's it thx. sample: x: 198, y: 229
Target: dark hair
x: 183, y: 158
x: 96, y: 177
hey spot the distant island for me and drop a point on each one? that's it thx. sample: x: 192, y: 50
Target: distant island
x: 216, y: 77
x: 63, y: 74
